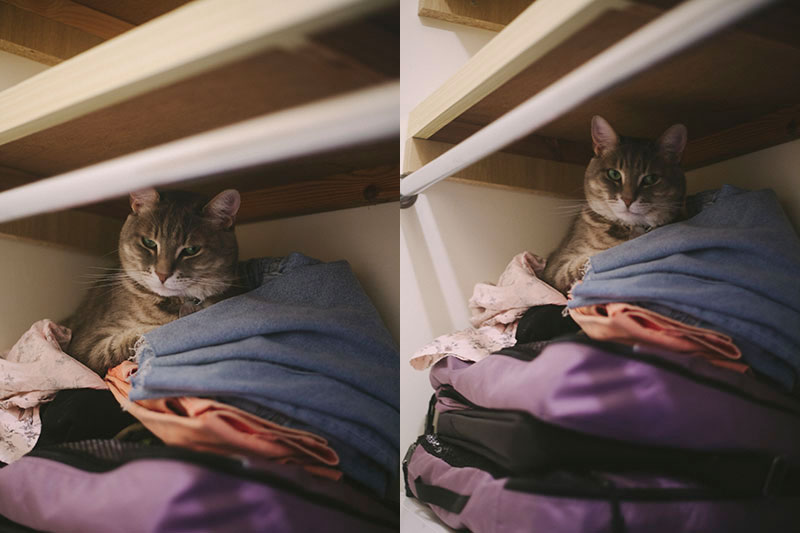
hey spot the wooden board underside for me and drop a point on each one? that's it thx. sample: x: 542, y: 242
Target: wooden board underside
x: 39, y: 38
x: 197, y: 38
x: 357, y: 53
x: 75, y: 15
x: 486, y: 14
x: 266, y: 83
x: 737, y: 92
x: 87, y: 232
x: 504, y: 170
x: 540, y: 28
x: 134, y: 11
x: 353, y: 177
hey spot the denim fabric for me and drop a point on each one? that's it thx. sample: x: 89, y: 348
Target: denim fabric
x: 758, y: 358
x: 734, y: 265
x: 307, y: 342
x: 359, y: 467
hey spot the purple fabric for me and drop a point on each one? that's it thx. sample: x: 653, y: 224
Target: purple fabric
x: 494, y: 509
x: 157, y: 495
x: 585, y: 388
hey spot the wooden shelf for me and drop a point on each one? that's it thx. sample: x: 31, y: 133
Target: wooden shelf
x: 737, y: 92
x: 202, y: 66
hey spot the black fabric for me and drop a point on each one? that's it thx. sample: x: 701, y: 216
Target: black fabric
x: 544, y: 322
x: 7, y: 526
x: 519, y: 443
x: 79, y: 414
x: 440, y: 497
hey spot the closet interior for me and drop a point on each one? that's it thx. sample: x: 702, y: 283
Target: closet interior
x: 735, y: 89
x: 293, y: 104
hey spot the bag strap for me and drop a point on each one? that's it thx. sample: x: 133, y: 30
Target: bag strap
x: 430, y: 415
x: 447, y: 499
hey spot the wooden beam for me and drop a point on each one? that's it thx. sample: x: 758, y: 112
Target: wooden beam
x: 341, y: 191
x: 534, y: 145
x: 504, y: 170
x: 75, y: 15
x: 76, y: 230
x: 39, y: 38
x: 536, y: 31
x: 484, y: 14
x: 776, y: 128
x: 12, y: 177
x: 195, y: 38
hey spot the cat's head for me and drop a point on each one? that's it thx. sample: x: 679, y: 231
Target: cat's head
x: 636, y: 182
x: 181, y: 244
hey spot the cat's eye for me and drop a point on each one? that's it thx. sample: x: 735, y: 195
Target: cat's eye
x: 190, y: 250
x: 650, y: 179
x: 613, y: 174
x: 149, y: 243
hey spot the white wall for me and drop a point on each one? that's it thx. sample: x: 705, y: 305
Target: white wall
x: 35, y: 281
x: 14, y: 69
x: 39, y: 282
x: 776, y: 168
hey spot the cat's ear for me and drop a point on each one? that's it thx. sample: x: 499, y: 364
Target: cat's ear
x: 223, y: 207
x: 672, y: 142
x: 604, y: 138
x: 144, y: 200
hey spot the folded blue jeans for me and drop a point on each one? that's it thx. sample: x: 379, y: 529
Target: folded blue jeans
x: 306, y: 342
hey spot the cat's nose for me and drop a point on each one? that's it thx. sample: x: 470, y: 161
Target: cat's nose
x: 162, y: 276
x: 628, y: 201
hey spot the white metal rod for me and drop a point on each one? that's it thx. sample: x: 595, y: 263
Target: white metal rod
x: 332, y: 123
x: 668, y: 34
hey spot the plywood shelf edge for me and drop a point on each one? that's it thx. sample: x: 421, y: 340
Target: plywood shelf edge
x: 192, y: 39
x: 536, y: 31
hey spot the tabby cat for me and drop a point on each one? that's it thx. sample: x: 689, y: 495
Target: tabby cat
x: 178, y: 254
x: 631, y: 186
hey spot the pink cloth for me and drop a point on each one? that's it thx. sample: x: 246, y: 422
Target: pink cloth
x: 630, y: 324
x: 210, y: 426
x: 496, y: 310
x: 31, y: 373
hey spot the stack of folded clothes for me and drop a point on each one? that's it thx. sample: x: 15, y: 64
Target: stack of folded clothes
x: 298, y: 373
x: 731, y: 268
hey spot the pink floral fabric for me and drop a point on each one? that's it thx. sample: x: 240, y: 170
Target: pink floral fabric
x: 31, y: 373
x: 496, y: 310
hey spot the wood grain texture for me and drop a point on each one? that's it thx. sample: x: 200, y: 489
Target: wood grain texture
x: 730, y: 78
x: 535, y: 32
x: 76, y: 230
x: 536, y: 146
x: 75, y: 15
x: 12, y: 177
x: 39, y: 38
x: 268, y: 82
x: 196, y: 38
x: 736, y: 91
x: 768, y: 130
x: 340, y: 191
x: 359, y: 164
x: 508, y: 171
x: 135, y: 12
x: 486, y: 14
